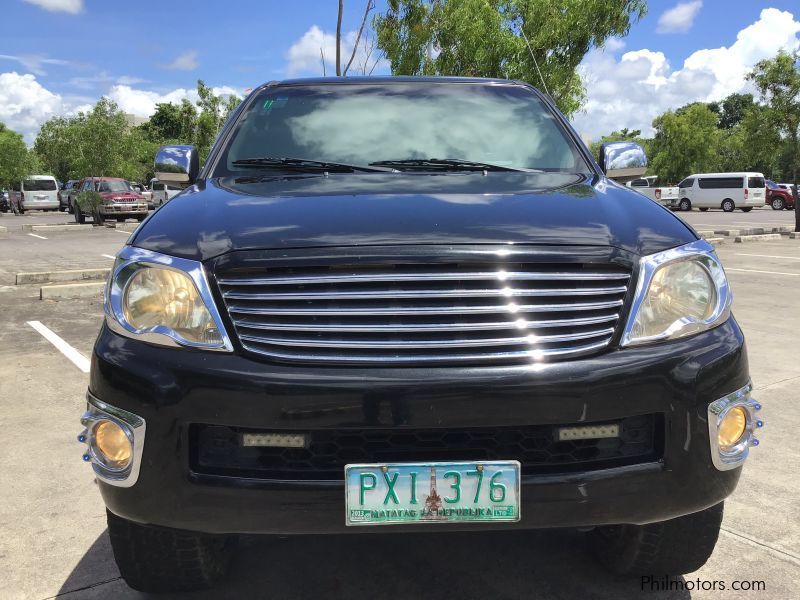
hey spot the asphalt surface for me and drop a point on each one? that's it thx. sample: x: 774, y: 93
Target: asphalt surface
x: 54, y: 541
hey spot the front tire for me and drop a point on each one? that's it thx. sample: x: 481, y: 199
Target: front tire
x: 685, y: 204
x: 672, y: 547
x: 728, y: 205
x: 158, y: 559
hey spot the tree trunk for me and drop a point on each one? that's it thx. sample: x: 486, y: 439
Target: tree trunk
x: 339, y: 39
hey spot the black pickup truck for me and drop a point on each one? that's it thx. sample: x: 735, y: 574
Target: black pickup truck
x: 419, y: 303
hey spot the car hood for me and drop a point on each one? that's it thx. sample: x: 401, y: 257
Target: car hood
x: 279, y: 212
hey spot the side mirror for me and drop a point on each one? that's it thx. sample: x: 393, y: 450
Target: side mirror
x: 177, y: 165
x: 623, y: 161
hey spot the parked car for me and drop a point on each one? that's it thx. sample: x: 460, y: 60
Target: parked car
x: 120, y: 202
x: 37, y: 192
x: 63, y: 195
x: 779, y: 196
x: 5, y: 205
x: 144, y: 192
x: 161, y: 192
x: 727, y: 191
x: 665, y: 195
x: 462, y: 325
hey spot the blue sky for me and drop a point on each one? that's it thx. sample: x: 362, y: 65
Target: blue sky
x: 59, y: 56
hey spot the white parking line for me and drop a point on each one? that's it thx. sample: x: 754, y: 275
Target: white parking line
x: 41, y: 237
x: 78, y: 359
x: 765, y: 272
x: 769, y: 256
x: 123, y: 232
x: 109, y: 256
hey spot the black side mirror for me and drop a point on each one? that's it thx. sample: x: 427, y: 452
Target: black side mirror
x: 177, y: 165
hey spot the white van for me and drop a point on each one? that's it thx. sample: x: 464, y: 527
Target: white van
x: 160, y: 193
x: 36, y: 192
x: 727, y: 191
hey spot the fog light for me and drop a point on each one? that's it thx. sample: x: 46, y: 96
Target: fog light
x: 113, y: 444
x: 732, y: 427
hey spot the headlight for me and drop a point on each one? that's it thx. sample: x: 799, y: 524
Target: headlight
x: 163, y: 300
x: 680, y: 292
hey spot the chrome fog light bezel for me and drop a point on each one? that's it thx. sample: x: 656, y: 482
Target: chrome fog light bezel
x: 134, y: 427
x: 730, y: 457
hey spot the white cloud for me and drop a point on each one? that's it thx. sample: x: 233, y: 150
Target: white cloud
x: 68, y: 6
x: 25, y: 104
x: 142, y: 103
x: 34, y: 62
x: 614, y: 44
x: 632, y: 91
x: 186, y: 61
x: 303, y: 57
x: 679, y: 18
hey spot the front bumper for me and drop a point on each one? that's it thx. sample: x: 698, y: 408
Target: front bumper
x: 172, y: 388
x: 139, y: 208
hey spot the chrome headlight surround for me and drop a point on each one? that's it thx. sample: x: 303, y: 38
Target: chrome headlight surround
x: 131, y: 258
x: 701, y: 253
x: 134, y: 427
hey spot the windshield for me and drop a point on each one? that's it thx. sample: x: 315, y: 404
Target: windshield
x: 113, y: 186
x: 506, y: 125
x: 40, y: 185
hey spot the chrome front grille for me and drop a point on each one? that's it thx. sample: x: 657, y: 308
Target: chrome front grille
x: 420, y: 314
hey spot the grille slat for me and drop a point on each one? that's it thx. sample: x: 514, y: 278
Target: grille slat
x: 463, y: 293
x: 499, y: 275
x: 420, y: 313
x: 423, y: 328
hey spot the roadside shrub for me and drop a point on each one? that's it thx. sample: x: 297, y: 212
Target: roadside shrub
x: 90, y: 202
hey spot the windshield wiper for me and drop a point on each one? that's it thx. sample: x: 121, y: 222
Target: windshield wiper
x: 306, y: 164
x: 449, y: 164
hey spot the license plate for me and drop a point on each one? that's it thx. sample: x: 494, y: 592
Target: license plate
x: 442, y: 492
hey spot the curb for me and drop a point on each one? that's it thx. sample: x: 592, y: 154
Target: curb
x: 72, y: 290
x: 757, y: 237
x: 715, y: 241
x: 728, y: 232
x: 705, y: 233
x: 62, y: 227
x: 794, y: 235
x: 53, y: 276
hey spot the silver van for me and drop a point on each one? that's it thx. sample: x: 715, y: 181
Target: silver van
x: 37, y: 192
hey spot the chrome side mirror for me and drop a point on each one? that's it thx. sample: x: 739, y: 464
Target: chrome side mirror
x: 623, y: 161
x: 177, y: 165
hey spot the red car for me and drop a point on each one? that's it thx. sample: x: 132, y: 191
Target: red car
x: 779, y: 197
x: 120, y: 201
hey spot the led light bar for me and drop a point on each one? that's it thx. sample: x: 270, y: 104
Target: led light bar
x: 587, y: 432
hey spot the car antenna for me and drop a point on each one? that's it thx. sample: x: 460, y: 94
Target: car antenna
x: 535, y: 62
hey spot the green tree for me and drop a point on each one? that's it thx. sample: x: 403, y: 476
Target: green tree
x: 15, y: 160
x: 538, y: 41
x: 733, y: 110
x: 685, y: 142
x: 778, y: 81
x: 214, y: 111
x: 55, y: 146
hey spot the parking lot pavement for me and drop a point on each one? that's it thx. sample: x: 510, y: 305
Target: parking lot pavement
x: 758, y: 217
x: 54, y: 540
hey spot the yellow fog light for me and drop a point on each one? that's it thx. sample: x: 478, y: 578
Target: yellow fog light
x: 112, y: 444
x: 732, y: 427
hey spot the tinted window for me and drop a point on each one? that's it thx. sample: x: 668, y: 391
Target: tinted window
x: 362, y: 123
x: 157, y: 187
x: 40, y: 185
x: 114, y: 186
x: 755, y: 182
x: 713, y: 183
x: 639, y: 183
x: 686, y: 183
